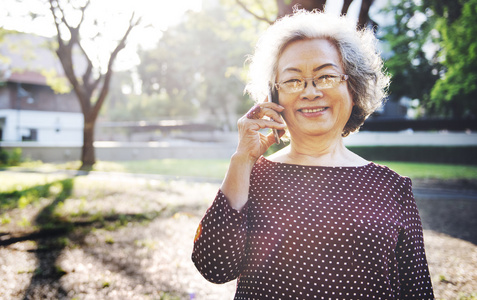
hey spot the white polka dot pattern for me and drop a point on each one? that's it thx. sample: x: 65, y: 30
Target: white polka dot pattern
x: 318, y: 233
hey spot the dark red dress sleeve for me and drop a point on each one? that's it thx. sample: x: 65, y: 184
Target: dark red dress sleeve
x: 219, y: 245
x: 412, y: 263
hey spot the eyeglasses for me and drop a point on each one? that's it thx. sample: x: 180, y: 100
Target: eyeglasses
x: 321, y: 82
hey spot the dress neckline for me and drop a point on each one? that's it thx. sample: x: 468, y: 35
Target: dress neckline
x: 312, y: 166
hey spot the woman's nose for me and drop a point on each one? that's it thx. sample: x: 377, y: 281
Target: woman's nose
x: 310, y: 92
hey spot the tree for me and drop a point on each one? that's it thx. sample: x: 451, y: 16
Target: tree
x: 432, y: 55
x: 258, y: 8
x: 414, y: 71
x: 197, y: 63
x: 92, y: 86
x: 455, y: 92
x: 124, y: 104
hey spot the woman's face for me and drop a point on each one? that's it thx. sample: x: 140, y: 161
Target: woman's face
x: 312, y: 111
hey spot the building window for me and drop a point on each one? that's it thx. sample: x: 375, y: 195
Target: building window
x: 32, y: 136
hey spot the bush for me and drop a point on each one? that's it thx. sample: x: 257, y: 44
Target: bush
x: 3, y: 157
x: 10, y: 158
x: 459, y: 155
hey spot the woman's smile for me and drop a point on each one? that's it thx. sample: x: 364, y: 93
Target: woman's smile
x: 313, y: 111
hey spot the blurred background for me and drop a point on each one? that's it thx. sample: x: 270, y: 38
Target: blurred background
x: 142, y: 79
x: 155, y: 88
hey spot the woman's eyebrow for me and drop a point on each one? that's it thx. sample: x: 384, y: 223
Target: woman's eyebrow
x: 292, y: 69
x: 324, y: 66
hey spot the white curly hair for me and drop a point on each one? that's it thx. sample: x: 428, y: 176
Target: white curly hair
x: 361, y: 60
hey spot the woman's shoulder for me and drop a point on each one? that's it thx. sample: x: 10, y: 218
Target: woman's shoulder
x: 388, y: 174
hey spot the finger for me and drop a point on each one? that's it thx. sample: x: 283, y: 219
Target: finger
x: 272, y: 105
x: 264, y: 123
x: 261, y: 110
x: 273, y: 114
x: 266, y: 113
x: 256, y: 112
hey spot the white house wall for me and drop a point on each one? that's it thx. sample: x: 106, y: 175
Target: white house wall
x: 53, y: 128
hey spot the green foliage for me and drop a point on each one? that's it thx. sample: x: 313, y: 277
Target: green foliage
x: 4, y: 60
x: 3, y: 157
x: 413, y: 71
x: 23, y: 196
x: 433, y: 54
x: 58, y: 84
x: 10, y: 158
x: 204, y: 168
x: 456, y: 91
x: 198, y: 65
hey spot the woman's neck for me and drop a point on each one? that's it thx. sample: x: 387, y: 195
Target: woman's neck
x: 318, y: 151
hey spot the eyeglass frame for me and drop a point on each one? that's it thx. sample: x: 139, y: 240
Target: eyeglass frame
x: 342, y: 77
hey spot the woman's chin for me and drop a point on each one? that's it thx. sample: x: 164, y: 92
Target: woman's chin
x: 314, y: 131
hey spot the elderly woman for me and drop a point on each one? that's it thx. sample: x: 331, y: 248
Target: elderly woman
x: 313, y: 220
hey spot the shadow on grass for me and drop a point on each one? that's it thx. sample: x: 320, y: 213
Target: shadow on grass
x: 53, y: 233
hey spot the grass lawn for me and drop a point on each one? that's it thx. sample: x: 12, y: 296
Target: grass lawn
x: 216, y: 168
x: 434, y: 171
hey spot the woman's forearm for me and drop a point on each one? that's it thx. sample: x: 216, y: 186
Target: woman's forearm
x: 237, y: 180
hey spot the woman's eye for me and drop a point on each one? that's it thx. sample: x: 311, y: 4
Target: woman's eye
x: 326, y: 76
x: 293, y: 81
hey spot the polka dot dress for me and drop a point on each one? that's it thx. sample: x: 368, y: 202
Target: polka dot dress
x: 317, y: 233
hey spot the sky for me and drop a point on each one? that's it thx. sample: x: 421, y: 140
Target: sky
x: 334, y: 6
x: 158, y: 14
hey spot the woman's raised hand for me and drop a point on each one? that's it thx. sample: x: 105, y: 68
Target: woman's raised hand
x: 252, y: 142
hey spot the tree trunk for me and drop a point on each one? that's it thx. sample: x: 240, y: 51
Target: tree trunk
x: 364, y: 19
x: 346, y: 4
x: 88, y: 156
x: 287, y: 9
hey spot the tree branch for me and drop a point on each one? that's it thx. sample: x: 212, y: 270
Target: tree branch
x: 239, y: 2
x: 65, y: 52
x: 57, y: 24
x: 109, y: 72
x: 89, y: 69
x: 364, y: 19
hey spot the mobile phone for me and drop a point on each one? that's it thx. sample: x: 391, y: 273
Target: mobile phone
x: 273, y: 96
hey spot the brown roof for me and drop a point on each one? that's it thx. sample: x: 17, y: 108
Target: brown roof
x: 30, y: 77
x: 28, y: 55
